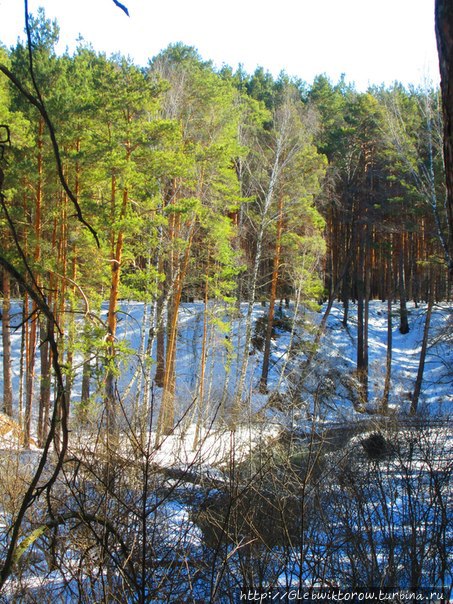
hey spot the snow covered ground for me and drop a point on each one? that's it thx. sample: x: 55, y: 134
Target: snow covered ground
x: 437, y: 387
x: 327, y: 391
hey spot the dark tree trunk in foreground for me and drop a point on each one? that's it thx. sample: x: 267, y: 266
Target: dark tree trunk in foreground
x: 404, y: 321
x: 421, y: 365
x: 388, y: 363
x: 444, y: 35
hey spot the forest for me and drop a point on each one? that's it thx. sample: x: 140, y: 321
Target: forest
x: 194, y: 266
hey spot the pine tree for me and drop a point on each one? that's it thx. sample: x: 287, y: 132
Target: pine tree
x: 203, y: 190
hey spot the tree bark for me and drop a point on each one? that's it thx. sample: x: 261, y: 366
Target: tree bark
x: 109, y: 399
x: 362, y: 309
x: 166, y: 418
x: 30, y: 366
x: 388, y: 363
x: 404, y: 323
x: 367, y: 283
x: 86, y: 378
x: 6, y: 340
x: 421, y: 365
x: 444, y: 36
x: 45, y: 384
x: 160, y: 337
x: 30, y: 373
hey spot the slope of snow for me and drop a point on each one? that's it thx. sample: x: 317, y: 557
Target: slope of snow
x: 437, y: 386
x: 328, y: 390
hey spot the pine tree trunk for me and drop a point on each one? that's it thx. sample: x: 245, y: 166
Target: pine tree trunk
x: 23, y: 361
x: 444, y: 35
x: 6, y: 341
x: 345, y: 281
x: 46, y: 365
x: 367, y: 314
x: 45, y: 383
x: 86, y: 370
x: 404, y: 323
x: 388, y: 363
x: 421, y: 364
x: 71, y: 335
x: 60, y: 301
x: 30, y: 365
x: 160, y: 337
x: 345, y: 295
x: 73, y: 280
x: 30, y: 373
x: 361, y: 327
x: 86, y: 378
x: 110, y: 398
x: 331, y: 240
x: 166, y: 418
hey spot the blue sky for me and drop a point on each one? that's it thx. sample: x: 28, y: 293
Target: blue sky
x: 370, y: 42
